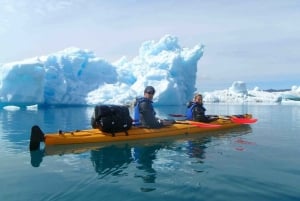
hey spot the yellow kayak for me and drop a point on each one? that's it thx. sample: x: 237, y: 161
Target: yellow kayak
x: 135, y: 133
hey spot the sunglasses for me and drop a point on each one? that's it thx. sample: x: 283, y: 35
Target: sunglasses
x: 150, y: 92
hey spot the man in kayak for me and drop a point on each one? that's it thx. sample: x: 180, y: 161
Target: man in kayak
x: 144, y: 114
x: 196, y: 111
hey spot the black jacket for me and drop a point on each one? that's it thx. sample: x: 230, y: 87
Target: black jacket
x: 147, y: 114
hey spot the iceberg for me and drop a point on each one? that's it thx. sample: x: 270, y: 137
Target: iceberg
x: 293, y: 95
x: 77, y: 77
x: 238, y: 93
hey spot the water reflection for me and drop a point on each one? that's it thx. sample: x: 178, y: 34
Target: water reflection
x: 114, y: 160
x: 196, y: 149
x: 144, y: 157
x: 36, y: 157
x: 111, y: 160
x: 15, y: 125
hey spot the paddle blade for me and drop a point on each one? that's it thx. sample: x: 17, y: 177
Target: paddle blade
x: 177, y: 115
x: 204, y: 125
x: 243, y: 120
x: 36, y: 137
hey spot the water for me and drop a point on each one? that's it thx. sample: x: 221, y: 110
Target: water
x: 260, y: 162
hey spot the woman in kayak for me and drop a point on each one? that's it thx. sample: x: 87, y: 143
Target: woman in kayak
x: 144, y: 114
x: 196, y: 111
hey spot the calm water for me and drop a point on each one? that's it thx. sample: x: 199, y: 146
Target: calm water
x: 260, y: 162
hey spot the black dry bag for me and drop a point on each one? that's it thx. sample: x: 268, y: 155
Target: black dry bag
x: 111, y: 118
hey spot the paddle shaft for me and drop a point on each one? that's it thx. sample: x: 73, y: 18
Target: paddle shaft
x: 239, y: 119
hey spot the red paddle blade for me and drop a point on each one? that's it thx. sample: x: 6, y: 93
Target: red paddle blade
x: 204, y: 125
x: 243, y: 120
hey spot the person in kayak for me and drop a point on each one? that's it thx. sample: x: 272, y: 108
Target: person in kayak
x: 196, y: 111
x: 144, y: 114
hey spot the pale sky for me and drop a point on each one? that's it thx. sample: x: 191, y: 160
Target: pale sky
x: 255, y: 41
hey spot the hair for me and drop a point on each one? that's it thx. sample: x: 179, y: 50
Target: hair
x: 149, y: 89
x: 196, y: 95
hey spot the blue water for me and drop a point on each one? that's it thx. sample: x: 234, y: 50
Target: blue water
x: 257, y: 162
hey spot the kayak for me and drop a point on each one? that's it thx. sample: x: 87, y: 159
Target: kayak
x: 113, y: 150
x: 136, y: 133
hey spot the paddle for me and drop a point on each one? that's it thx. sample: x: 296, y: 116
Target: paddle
x: 198, y: 124
x: 239, y: 119
x: 194, y: 123
x: 36, y: 137
x: 202, y: 125
x: 177, y: 115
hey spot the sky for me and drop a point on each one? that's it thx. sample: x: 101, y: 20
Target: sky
x: 256, y: 41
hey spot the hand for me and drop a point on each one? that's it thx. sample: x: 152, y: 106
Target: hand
x: 167, y: 122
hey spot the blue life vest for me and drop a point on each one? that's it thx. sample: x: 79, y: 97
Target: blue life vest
x: 136, y: 112
x: 136, y: 115
x: 189, y: 112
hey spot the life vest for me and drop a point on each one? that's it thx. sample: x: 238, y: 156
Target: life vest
x: 136, y: 111
x: 189, y: 112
